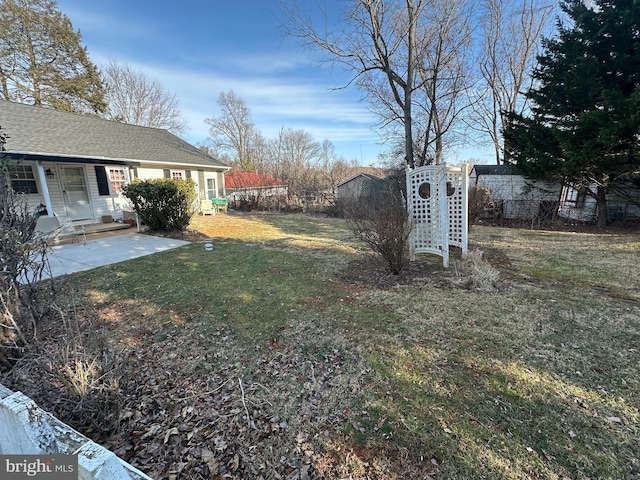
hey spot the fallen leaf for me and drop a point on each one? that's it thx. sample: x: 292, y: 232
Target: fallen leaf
x: 153, y: 429
x: 210, y: 459
x: 172, y: 431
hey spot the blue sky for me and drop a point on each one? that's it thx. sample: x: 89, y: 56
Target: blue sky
x: 198, y: 49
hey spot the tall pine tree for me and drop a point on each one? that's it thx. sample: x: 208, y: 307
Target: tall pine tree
x: 42, y: 60
x: 584, y: 124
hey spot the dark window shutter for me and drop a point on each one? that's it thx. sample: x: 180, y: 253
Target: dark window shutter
x: 167, y: 173
x: 187, y: 174
x: 103, y: 180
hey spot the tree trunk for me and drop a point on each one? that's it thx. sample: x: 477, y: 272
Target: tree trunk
x: 4, y: 87
x: 601, y: 202
x: 408, y: 89
x: 408, y: 133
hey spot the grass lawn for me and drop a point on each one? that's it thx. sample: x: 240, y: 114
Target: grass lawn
x: 285, y: 353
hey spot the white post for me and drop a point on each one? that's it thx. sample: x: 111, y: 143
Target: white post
x: 45, y: 189
x: 444, y: 215
x: 465, y: 209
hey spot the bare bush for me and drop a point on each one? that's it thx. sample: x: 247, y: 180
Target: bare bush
x: 476, y: 272
x: 72, y: 370
x: 381, y: 221
x: 24, y: 299
x: 480, y: 201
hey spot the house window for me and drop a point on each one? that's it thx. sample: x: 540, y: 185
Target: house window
x: 575, y: 196
x: 22, y: 179
x: 118, y: 179
x: 177, y: 174
x: 212, y: 192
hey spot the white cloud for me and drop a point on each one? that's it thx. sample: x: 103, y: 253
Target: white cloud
x: 281, y: 84
x: 274, y: 103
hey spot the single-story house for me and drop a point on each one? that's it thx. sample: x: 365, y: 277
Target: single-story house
x: 75, y: 165
x: 515, y: 197
x: 253, y: 187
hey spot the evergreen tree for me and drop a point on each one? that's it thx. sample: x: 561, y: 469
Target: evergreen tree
x: 42, y: 60
x: 584, y: 124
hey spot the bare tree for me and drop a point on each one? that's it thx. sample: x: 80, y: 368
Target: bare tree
x: 134, y: 98
x: 260, y: 153
x: 409, y: 58
x: 233, y: 132
x: 377, y: 41
x: 445, y: 40
x: 512, y: 32
x: 295, y: 154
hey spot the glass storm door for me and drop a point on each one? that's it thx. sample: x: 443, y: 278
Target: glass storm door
x: 75, y: 194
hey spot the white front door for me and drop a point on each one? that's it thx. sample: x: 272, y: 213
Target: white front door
x: 75, y: 194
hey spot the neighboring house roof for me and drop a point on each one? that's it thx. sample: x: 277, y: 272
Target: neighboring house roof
x: 494, y: 170
x: 237, y: 180
x: 36, y: 132
x: 365, y: 175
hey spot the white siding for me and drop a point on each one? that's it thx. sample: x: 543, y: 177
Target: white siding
x: 55, y: 190
x: 520, y: 198
x: 150, y: 173
x: 621, y: 208
x: 618, y: 208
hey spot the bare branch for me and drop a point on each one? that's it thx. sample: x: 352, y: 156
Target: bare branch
x: 134, y: 98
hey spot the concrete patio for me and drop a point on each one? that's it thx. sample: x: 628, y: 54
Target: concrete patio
x: 76, y: 257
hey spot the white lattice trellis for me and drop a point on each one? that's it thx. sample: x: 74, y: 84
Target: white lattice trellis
x: 437, y: 200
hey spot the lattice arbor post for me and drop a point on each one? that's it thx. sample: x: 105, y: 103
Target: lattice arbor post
x: 437, y: 199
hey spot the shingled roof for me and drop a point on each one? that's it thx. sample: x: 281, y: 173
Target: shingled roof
x: 494, y: 170
x: 35, y: 132
x: 367, y: 176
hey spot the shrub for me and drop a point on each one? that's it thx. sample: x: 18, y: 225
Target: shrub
x: 380, y: 220
x: 163, y: 205
x: 480, y: 201
x: 73, y: 370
